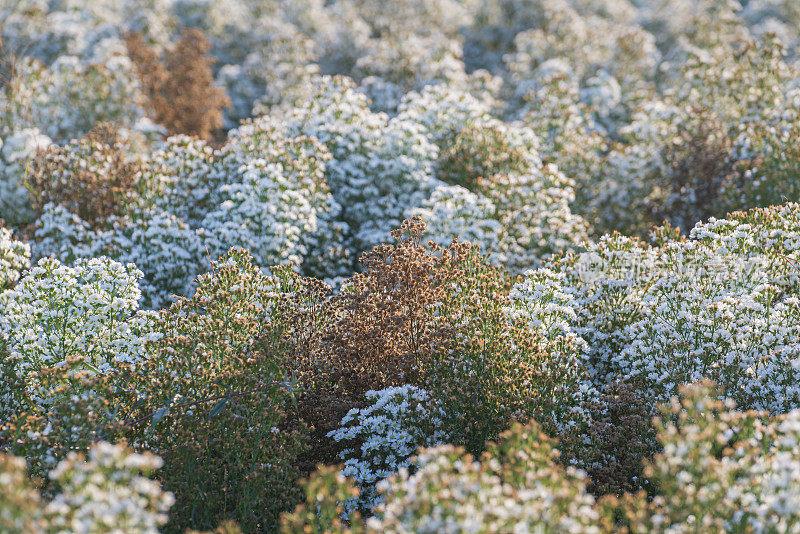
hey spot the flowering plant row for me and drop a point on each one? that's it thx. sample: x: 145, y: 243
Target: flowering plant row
x: 399, y: 266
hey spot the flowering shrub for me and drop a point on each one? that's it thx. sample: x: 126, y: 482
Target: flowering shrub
x: 15, y: 257
x: 104, y: 492
x: 92, y: 177
x: 699, y: 151
x: 184, y: 174
x: 63, y: 330
x: 720, y: 469
x: 214, y: 406
x: 16, y: 154
x: 718, y: 305
x: 614, y: 441
x: 376, y: 333
x: 430, y: 318
x: 18, y: 511
x: 390, y: 429
x: 517, y: 484
x: 379, y: 167
x: 67, y: 98
x: 498, y: 172
x: 277, y: 204
x: 109, y: 480
x: 594, y: 44
x: 691, y: 328
x: 85, y: 316
x: 87, y: 194
x: 261, y: 190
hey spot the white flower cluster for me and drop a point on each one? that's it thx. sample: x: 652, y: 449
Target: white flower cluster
x: 721, y: 305
x: 16, y: 152
x: 609, y: 54
x: 516, y: 487
x: 385, y: 169
x: 526, y: 201
x: 379, y: 166
x: 15, y: 257
x: 541, y: 302
x: 85, y: 316
x: 275, y: 200
x: 107, y: 492
x: 387, y: 433
x: 67, y: 98
x: 723, y: 470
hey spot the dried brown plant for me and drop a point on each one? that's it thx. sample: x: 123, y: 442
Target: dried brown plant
x: 412, y: 302
x: 92, y: 177
x: 371, y: 335
x: 384, y: 327
x: 180, y: 91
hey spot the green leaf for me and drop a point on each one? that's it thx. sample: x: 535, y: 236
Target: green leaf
x: 218, y: 407
x: 159, y: 414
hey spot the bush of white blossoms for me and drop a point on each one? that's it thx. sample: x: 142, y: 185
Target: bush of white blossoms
x: 85, y: 315
x: 15, y: 257
x: 398, y: 421
x: 385, y: 169
x: 108, y: 491
x: 721, y: 304
x: 262, y: 190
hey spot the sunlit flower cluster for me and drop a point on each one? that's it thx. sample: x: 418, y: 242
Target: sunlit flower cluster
x: 16, y: 152
x: 15, y: 257
x: 108, y: 491
x: 719, y: 305
x: 516, y: 486
x: 722, y: 469
x: 85, y: 315
x: 262, y: 191
x: 66, y: 99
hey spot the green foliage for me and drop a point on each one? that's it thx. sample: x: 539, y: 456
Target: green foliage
x: 217, y: 408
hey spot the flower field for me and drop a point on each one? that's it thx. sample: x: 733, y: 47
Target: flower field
x: 403, y: 266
